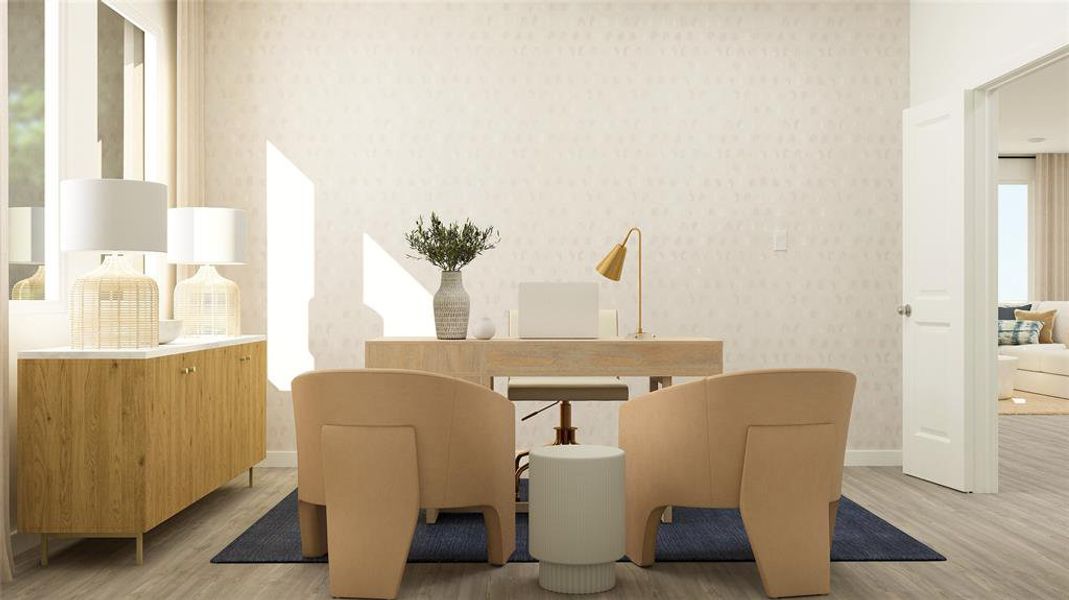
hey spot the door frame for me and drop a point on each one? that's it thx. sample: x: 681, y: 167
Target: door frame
x: 981, y: 242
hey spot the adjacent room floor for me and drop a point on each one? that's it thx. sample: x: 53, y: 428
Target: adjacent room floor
x: 1009, y: 545
x: 1033, y: 404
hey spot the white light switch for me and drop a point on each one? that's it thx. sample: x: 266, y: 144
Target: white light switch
x: 779, y: 240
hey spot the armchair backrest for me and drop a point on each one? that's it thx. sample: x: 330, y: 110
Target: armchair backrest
x: 739, y: 401
x: 465, y: 434
x: 688, y: 442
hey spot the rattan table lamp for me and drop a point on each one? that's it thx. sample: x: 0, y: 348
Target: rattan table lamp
x: 27, y: 247
x: 207, y: 303
x: 113, y: 306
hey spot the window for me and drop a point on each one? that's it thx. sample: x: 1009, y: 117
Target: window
x: 1012, y: 242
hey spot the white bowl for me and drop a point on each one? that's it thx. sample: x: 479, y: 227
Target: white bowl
x: 170, y: 329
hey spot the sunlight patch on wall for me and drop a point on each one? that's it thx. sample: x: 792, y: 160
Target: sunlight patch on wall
x: 405, y: 306
x: 290, y: 268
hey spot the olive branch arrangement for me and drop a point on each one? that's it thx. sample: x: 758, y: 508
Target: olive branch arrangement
x: 450, y: 247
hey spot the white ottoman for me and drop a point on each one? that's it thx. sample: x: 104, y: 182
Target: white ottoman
x: 576, y: 496
x: 1007, y: 370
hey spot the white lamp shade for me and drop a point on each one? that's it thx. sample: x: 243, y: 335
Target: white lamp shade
x: 202, y: 235
x: 27, y: 234
x: 112, y: 215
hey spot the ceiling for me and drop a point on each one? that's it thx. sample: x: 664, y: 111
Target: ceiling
x: 1036, y: 105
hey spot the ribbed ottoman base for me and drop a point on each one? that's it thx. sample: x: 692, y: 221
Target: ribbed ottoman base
x: 576, y: 579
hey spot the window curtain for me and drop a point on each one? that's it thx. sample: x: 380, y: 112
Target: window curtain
x: 1049, y: 228
x: 6, y: 568
x: 189, y: 181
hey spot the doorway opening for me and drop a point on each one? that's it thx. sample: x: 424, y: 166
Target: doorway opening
x: 950, y: 268
x: 1032, y: 206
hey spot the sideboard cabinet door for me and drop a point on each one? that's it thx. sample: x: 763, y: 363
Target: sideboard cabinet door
x: 248, y: 389
x: 80, y: 445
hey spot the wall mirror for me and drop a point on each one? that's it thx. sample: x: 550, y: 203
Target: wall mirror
x: 33, y: 157
x: 120, y: 100
x: 120, y: 95
x: 26, y: 149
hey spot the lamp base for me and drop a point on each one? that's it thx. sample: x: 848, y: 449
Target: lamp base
x: 641, y: 335
x: 208, y: 304
x: 113, y: 306
x: 31, y: 288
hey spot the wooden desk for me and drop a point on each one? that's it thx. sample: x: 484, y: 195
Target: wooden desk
x: 479, y: 361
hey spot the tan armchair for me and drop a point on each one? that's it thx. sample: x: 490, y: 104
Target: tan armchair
x: 375, y: 446
x: 770, y: 443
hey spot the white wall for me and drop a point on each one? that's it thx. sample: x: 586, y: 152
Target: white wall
x: 1016, y: 170
x: 955, y: 45
x: 709, y: 125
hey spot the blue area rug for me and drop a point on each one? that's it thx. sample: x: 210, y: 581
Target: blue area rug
x: 696, y: 535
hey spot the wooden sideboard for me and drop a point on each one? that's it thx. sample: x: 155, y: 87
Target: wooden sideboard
x: 113, y: 442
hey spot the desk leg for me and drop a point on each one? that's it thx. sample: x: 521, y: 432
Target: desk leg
x: 658, y: 383
x: 431, y: 516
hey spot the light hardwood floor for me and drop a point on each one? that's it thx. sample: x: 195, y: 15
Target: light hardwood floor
x: 1011, y: 545
x: 1034, y: 404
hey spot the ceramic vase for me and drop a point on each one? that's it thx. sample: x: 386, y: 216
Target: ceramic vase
x: 451, y: 306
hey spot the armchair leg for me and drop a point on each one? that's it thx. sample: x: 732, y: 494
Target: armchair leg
x: 500, y: 531
x: 312, y: 519
x: 372, y: 490
x: 786, y: 480
x: 833, y: 512
x: 642, y: 523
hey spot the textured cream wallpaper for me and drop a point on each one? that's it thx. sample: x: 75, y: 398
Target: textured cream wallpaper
x: 709, y: 126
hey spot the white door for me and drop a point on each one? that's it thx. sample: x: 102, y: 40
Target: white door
x: 935, y: 361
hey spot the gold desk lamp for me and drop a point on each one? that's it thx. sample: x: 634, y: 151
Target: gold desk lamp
x: 613, y: 265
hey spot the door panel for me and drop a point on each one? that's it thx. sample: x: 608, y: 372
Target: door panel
x: 934, y: 265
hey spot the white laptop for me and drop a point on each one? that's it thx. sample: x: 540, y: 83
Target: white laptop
x: 558, y: 310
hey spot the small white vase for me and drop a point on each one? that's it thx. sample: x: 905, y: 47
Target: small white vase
x: 451, y: 306
x: 484, y: 329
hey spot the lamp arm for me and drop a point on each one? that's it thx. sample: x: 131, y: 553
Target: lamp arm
x: 639, y: 332
x: 624, y: 243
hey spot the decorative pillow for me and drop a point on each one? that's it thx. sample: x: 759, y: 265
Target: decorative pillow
x: 1005, y: 313
x: 1046, y: 335
x: 1018, y: 333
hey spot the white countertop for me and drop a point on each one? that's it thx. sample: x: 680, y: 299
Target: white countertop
x: 179, y: 346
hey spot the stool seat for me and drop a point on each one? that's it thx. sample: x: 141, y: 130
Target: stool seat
x: 577, y: 516
x: 567, y: 388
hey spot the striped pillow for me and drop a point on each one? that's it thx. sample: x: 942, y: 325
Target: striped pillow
x: 1018, y: 333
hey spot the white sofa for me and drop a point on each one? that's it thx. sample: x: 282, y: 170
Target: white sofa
x: 1044, y: 368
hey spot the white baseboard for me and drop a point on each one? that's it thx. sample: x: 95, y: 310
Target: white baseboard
x: 279, y: 458
x: 854, y: 458
x: 873, y: 458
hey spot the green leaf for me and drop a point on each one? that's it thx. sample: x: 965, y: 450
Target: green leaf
x: 450, y: 247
